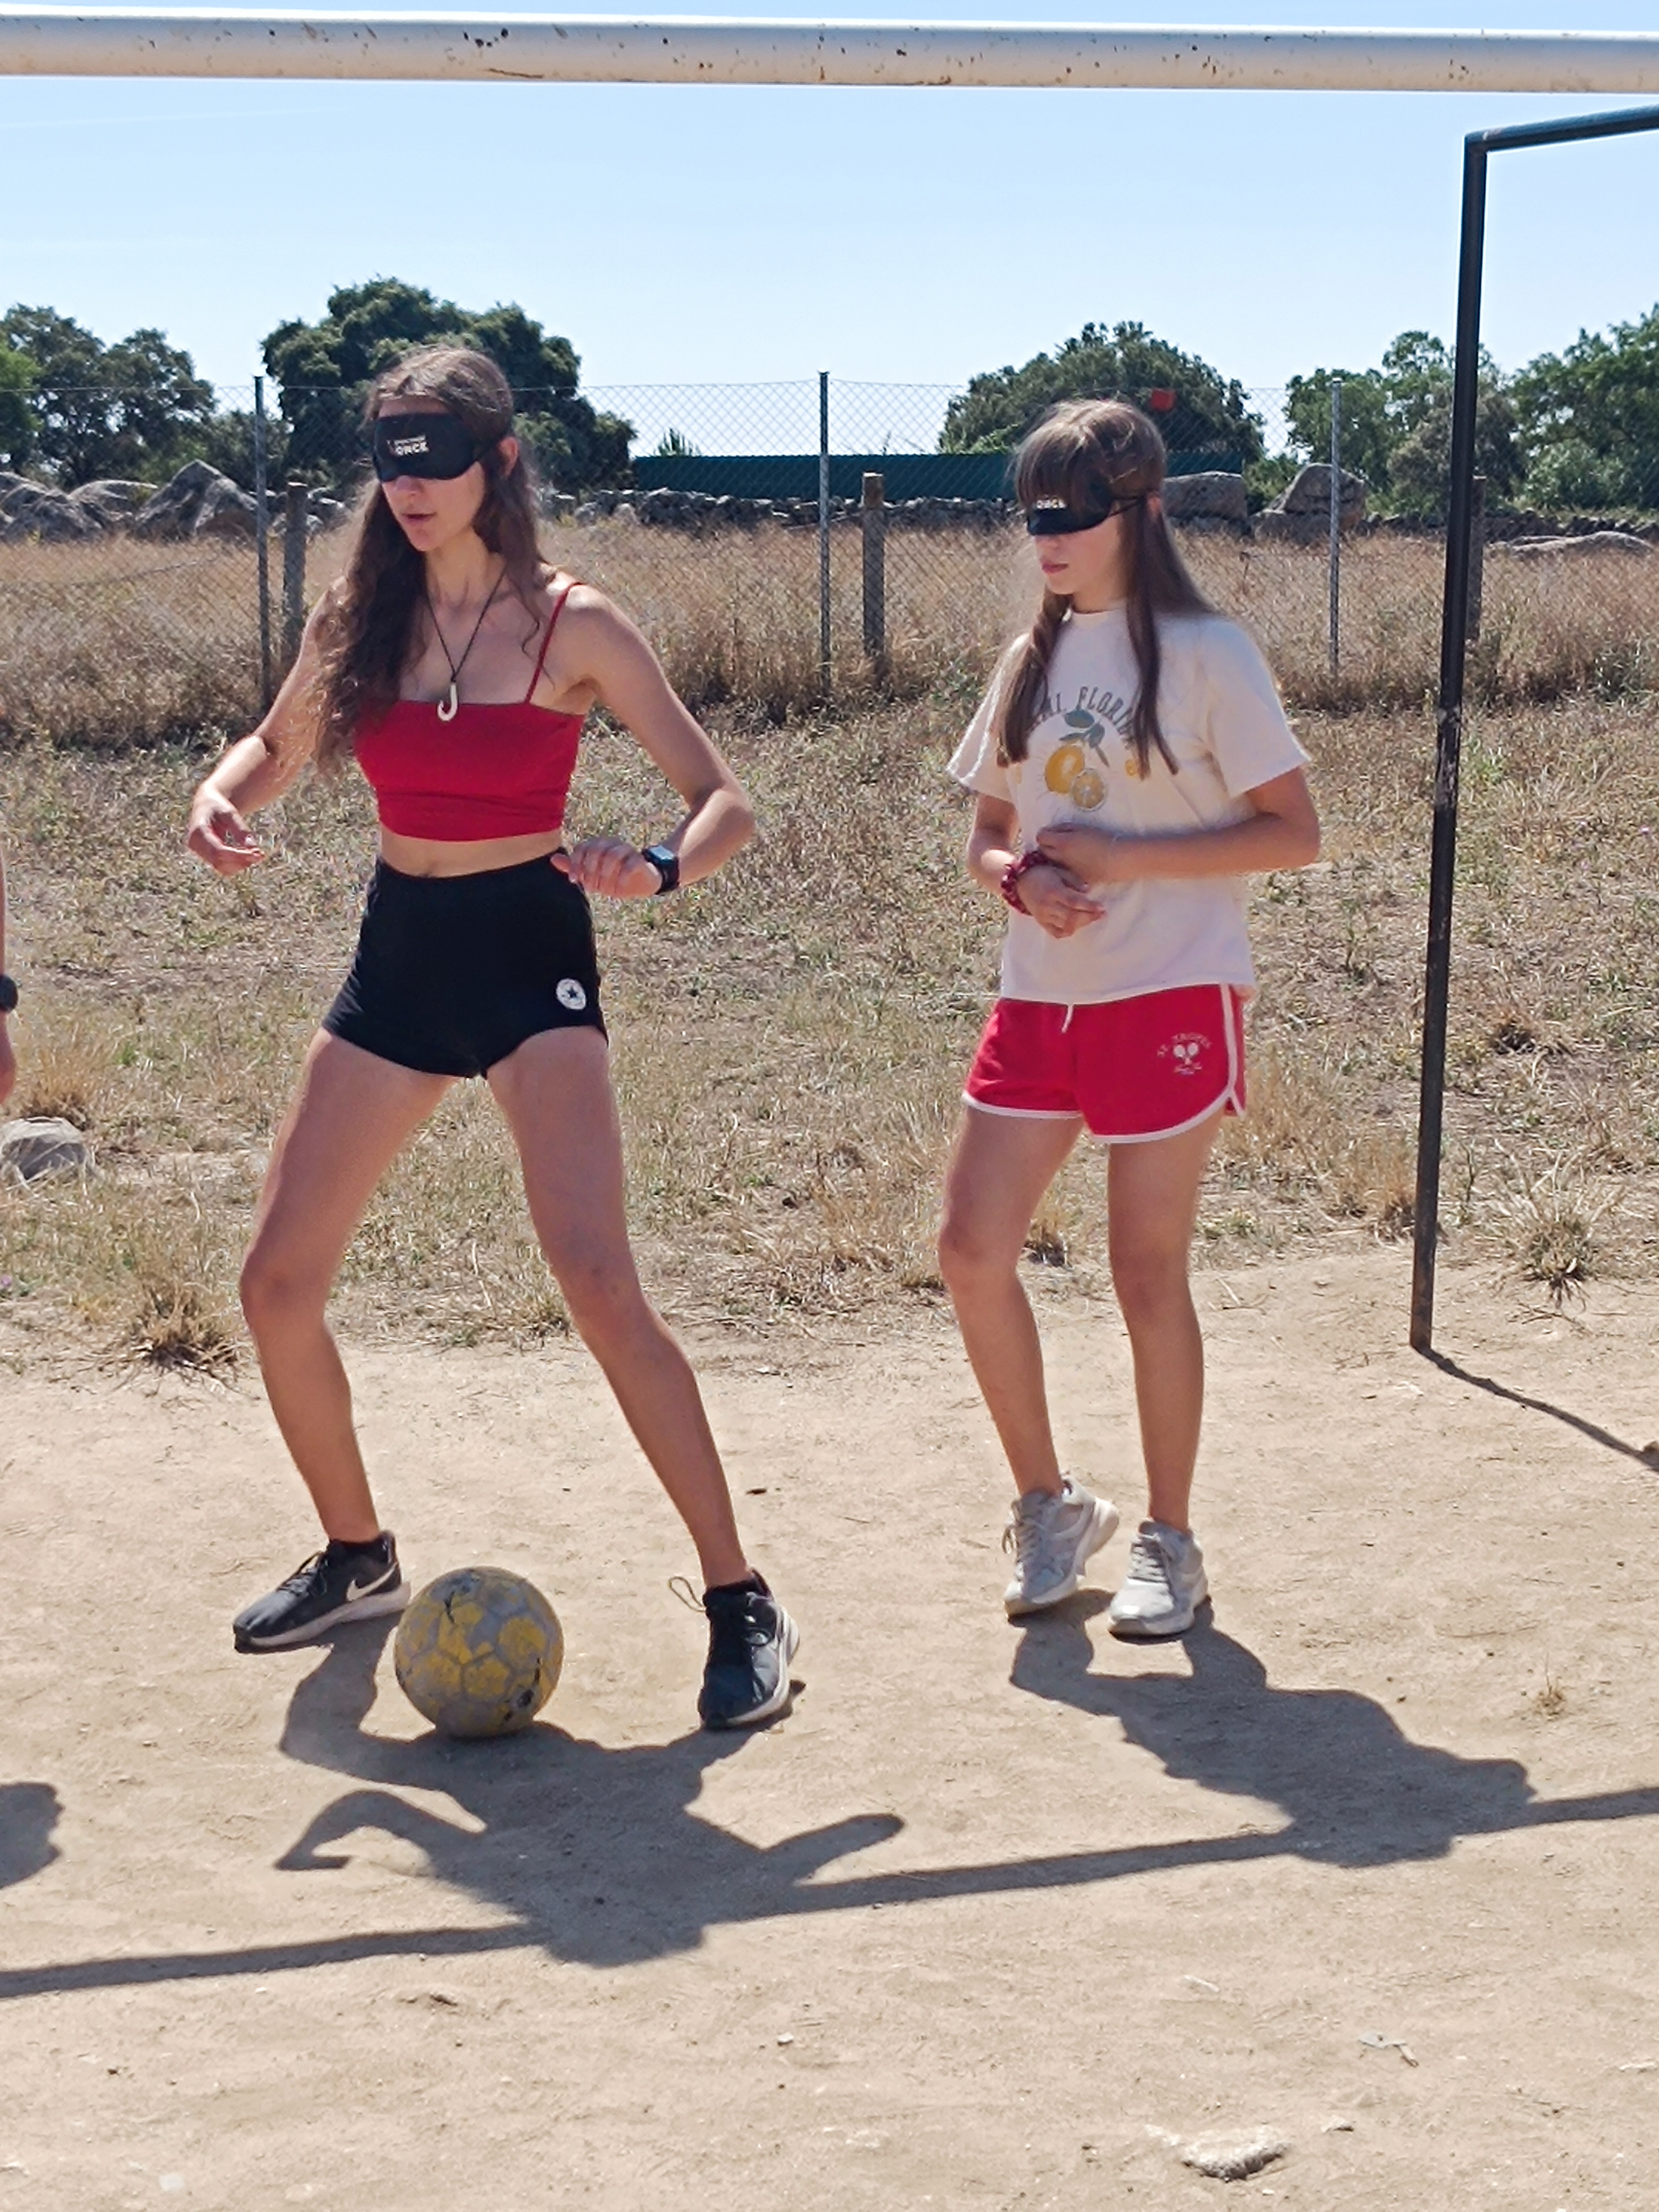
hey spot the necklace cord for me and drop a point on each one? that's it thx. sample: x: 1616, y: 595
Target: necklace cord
x: 452, y: 701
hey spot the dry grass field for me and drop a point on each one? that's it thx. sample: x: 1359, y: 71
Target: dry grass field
x: 115, y: 643
x: 790, y: 1038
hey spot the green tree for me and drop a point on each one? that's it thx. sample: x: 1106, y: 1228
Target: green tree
x: 1396, y: 423
x: 323, y: 369
x: 1418, y: 372
x: 103, y: 410
x: 16, y: 423
x: 1591, y: 419
x: 1367, y: 433
x: 1209, y: 412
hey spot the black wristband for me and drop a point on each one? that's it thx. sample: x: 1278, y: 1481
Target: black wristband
x: 7, y: 995
x: 666, y: 862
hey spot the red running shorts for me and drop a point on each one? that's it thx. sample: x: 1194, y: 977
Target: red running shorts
x: 1131, y: 1070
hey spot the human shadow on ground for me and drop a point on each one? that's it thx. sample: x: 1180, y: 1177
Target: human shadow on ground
x: 1355, y: 1790
x: 1644, y: 1454
x: 29, y: 1813
x: 596, y: 1855
x: 595, y: 1851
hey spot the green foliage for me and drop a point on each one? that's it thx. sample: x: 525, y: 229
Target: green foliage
x: 1396, y: 424
x: 674, y: 446
x: 1592, y: 417
x: 16, y: 423
x: 324, y: 370
x: 99, y: 410
x: 1367, y: 433
x: 999, y: 408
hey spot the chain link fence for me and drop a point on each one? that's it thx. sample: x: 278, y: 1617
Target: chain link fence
x: 783, y: 544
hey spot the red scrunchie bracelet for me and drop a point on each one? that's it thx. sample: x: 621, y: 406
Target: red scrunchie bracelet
x: 1009, y: 884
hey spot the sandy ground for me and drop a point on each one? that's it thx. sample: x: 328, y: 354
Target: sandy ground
x: 994, y: 1918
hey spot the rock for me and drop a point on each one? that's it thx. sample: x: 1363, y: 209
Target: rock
x: 226, y: 511
x: 1309, y: 492
x: 1622, y: 544
x: 559, y: 505
x: 198, y: 501
x: 111, y: 500
x: 30, y: 1150
x: 32, y: 510
x: 1301, y: 515
x: 1211, y: 495
x: 1234, y: 2158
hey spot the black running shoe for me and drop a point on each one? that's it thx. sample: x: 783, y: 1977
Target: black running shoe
x: 346, y: 1581
x: 751, y: 1641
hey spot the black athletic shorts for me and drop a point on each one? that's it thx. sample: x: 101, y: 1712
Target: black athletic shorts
x: 454, y: 972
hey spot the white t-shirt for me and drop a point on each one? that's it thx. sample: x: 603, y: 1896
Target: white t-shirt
x: 1221, y: 718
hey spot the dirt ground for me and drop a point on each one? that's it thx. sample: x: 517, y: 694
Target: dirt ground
x: 995, y: 1917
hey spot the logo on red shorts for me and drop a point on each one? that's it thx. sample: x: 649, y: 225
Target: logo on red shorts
x: 1186, y: 1051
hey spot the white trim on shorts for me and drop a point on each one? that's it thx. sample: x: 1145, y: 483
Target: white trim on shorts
x: 1017, y: 1113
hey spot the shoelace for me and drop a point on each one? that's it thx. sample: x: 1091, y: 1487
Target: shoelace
x: 1035, y: 1538
x: 734, y: 1628
x: 303, y: 1575
x: 1149, y: 1563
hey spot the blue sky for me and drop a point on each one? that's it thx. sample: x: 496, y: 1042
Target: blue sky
x: 744, y: 233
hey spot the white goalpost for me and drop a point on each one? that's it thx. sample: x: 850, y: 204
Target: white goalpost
x: 715, y: 50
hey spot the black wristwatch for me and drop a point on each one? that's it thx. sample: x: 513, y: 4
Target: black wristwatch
x: 8, y: 989
x: 666, y: 862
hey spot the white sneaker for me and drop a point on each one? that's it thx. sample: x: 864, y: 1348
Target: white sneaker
x: 1051, y: 1539
x: 1165, y: 1586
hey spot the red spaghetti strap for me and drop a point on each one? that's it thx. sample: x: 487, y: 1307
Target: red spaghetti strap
x: 547, y: 638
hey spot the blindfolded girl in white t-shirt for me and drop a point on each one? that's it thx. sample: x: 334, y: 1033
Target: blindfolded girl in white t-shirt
x: 1133, y: 764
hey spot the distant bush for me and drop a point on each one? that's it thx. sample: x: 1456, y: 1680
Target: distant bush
x: 1197, y: 407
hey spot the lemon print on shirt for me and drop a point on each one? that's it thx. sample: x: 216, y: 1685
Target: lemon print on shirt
x: 1066, y: 764
x: 1070, y: 772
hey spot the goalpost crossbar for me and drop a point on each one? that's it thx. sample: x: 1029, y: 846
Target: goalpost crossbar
x: 712, y: 50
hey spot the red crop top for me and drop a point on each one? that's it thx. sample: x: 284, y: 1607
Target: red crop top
x: 500, y: 771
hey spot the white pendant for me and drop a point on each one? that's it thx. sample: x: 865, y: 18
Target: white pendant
x: 449, y: 705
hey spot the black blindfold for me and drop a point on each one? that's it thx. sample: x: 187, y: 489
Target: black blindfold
x: 1052, y: 517
x: 423, y: 446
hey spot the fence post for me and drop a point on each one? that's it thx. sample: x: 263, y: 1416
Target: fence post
x: 262, y: 537
x: 293, y: 569
x: 1477, y: 555
x: 873, y: 516
x: 1336, y: 523
x: 823, y: 533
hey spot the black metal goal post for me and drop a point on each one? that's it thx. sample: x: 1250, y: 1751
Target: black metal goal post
x: 1454, y: 641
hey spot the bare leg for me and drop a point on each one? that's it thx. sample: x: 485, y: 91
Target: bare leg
x: 350, y: 1116
x: 999, y: 1172
x: 555, y: 1092
x: 1153, y: 1200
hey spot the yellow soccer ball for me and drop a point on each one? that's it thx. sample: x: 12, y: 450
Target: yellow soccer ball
x: 478, y: 1652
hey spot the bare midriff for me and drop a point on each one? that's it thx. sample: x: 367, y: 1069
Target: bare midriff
x: 427, y: 856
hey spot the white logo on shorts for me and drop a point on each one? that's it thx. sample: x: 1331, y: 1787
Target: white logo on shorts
x: 570, y: 995
x: 1186, y: 1051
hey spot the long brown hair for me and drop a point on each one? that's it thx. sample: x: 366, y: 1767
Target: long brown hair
x: 367, y: 634
x: 1085, y: 451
